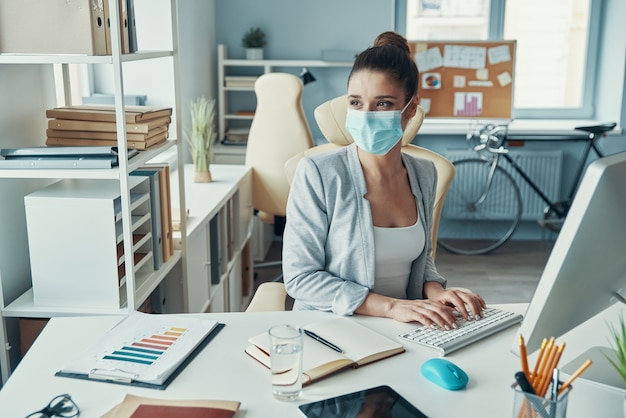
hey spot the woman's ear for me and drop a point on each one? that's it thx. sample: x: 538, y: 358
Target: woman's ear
x: 411, y: 107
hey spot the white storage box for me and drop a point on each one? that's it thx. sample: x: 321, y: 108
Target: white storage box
x: 76, y: 242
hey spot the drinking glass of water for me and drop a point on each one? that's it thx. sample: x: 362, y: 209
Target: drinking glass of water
x: 286, y: 361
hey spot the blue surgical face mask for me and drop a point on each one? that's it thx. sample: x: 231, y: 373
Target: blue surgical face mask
x: 375, y: 132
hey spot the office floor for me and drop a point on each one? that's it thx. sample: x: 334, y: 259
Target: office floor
x: 507, y: 275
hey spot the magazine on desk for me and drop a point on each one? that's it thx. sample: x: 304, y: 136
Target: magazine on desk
x: 147, y: 350
x: 139, y: 406
x: 360, y: 346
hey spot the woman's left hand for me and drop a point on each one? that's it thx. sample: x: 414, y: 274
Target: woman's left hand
x: 467, y: 303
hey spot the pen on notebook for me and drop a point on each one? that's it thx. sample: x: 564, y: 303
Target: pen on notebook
x: 573, y: 377
x: 323, y: 341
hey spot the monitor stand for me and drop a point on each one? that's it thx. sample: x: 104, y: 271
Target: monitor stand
x: 601, y: 372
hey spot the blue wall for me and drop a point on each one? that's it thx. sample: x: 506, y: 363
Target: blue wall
x: 298, y: 29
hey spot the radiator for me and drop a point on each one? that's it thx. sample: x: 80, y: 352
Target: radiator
x: 543, y: 167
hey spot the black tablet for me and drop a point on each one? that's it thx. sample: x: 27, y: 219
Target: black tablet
x: 379, y: 402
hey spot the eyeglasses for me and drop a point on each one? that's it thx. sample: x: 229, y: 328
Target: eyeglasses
x: 60, y: 406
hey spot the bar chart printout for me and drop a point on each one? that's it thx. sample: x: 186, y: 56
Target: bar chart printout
x: 142, y: 347
x: 468, y: 104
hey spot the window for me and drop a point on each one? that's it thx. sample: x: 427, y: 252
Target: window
x: 447, y: 19
x: 554, y: 59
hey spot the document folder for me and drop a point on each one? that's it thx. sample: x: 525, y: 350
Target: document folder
x: 110, y: 359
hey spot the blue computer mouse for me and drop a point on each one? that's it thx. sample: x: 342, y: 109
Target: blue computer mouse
x: 444, y: 373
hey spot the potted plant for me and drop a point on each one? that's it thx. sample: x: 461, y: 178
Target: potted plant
x: 618, y: 346
x: 202, y: 137
x: 254, y: 41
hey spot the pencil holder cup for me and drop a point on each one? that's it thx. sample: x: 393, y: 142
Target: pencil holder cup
x: 527, y: 405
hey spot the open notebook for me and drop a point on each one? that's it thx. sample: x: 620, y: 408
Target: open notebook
x: 360, y: 344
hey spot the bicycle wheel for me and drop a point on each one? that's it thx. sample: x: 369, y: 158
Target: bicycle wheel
x: 475, y: 221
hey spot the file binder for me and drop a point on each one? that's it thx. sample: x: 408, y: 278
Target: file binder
x: 155, y: 210
x: 132, y: 27
x: 122, y: 13
x: 52, y: 27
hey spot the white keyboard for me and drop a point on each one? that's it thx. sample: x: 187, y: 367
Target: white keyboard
x: 492, y: 321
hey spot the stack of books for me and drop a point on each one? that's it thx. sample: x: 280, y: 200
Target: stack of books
x: 94, y: 125
x: 240, y: 81
x: 236, y: 136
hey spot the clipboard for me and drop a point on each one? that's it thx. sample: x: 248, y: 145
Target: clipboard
x: 122, y: 377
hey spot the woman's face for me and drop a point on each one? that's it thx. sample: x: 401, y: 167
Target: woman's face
x: 374, y: 91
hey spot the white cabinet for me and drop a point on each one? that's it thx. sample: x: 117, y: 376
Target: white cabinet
x: 219, y: 229
x: 118, y: 211
x: 236, y: 100
x: 78, y: 259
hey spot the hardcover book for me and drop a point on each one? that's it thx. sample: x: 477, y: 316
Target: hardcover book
x: 106, y: 113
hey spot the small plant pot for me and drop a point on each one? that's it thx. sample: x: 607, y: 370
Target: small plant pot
x: 202, y: 177
x: 254, y: 53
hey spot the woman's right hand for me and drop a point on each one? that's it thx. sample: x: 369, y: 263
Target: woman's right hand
x: 424, y: 311
x: 427, y: 312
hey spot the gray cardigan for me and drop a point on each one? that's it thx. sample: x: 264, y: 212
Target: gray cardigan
x: 328, y: 244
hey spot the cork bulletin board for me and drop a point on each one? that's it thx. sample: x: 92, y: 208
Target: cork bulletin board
x: 461, y: 79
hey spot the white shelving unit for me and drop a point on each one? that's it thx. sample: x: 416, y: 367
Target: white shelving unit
x: 219, y: 232
x: 16, y: 293
x: 228, y: 116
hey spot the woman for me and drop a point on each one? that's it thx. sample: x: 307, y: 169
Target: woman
x: 357, y: 238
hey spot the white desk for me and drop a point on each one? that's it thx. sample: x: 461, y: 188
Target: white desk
x: 224, y: 371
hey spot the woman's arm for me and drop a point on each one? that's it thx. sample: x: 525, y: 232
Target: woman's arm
x: 305, y: 272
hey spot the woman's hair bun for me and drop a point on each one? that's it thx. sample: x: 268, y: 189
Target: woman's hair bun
x: 392, y: 38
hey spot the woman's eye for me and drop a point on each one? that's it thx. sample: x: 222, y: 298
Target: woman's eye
x: 384, y: 104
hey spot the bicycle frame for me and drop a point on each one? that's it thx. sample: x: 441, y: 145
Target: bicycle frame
x: 478, y: 221
x: 552, y: 205
x: 534, y: 185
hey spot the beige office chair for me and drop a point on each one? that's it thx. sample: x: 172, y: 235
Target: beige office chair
x: 331, y: 119
x: 278, y: 131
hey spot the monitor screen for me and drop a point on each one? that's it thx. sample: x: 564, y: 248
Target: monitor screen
x: 587, y: 265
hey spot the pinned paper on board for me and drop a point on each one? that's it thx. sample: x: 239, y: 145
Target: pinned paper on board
x: 458, y: 81
x: 498, y: 54
x: 482, y: 74
x: 480, y: 83
x: 431, y: 81
x: 468, y: 104
x: 429, y: 59
x: 457, y: 56
x: 504, y: 79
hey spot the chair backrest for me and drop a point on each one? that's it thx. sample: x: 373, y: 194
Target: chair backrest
x: 278, y: 131
x: 331, y: 119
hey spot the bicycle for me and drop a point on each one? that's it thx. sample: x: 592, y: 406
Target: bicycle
x: 484, y: 216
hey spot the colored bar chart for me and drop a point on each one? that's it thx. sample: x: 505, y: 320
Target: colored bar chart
x: 468, y: 104
x: 146, y: 350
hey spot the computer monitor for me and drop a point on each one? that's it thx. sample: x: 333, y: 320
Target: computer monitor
x: 587, y: 266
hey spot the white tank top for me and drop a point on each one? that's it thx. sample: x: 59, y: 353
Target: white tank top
x: 395, y: 250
